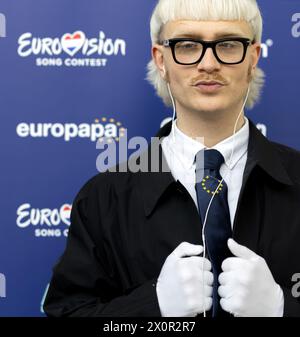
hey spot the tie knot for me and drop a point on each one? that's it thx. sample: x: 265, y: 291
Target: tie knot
x: 213, y: 159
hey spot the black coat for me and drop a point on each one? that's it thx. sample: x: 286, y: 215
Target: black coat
x: 124, y: 225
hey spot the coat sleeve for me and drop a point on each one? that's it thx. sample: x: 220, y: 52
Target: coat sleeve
x: 83, y: 281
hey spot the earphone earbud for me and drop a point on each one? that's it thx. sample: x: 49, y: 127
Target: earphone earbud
x: 164, y: 71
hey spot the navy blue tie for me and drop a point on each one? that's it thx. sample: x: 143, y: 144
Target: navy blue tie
x: 218, y: 226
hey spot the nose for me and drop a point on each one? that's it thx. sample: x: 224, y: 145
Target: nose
x: 209, y: 63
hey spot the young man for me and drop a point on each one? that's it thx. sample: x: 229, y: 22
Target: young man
x: 216, y: 239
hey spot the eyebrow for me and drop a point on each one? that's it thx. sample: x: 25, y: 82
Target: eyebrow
x: 218, y: 35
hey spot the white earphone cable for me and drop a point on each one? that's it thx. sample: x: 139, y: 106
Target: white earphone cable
x: 220, y: 183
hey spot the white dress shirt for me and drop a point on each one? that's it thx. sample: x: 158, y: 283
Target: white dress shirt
x: 180, y: 151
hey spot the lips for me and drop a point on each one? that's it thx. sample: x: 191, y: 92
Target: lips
x: 209, y: 87
x: 208, y: 83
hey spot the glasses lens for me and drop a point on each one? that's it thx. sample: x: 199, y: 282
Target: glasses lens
x: 230, y: 51
x: 188, y: 52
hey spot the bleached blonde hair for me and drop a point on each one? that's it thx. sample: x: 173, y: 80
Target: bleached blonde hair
x: 205, y: 10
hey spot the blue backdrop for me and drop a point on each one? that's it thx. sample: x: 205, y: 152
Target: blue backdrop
x: 72, y: 72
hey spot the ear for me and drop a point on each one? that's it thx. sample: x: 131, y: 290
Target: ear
x: 255, y: 55
x: 158, y: 58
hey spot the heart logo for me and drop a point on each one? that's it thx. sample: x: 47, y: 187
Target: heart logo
x: 72, y: 43
x: 65, y: 213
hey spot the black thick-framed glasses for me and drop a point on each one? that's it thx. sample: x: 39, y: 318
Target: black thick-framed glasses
x: 187, y: 51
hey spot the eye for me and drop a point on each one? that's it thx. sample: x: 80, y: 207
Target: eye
x: 187, y: 45
x: 228, y: 44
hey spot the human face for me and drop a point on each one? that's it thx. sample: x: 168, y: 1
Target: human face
x: 184, y: 79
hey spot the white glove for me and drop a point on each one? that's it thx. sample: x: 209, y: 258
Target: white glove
x: 247, y: 287
x: 180, y: 283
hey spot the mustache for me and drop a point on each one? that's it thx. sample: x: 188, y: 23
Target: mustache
x: 216, y: 77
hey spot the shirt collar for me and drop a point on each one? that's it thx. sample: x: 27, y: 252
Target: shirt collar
x: 186, y: 147
x: 261, y: 152
x: 235, y: 146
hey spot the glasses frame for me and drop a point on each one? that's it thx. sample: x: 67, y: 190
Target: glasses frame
x: 208, y: 44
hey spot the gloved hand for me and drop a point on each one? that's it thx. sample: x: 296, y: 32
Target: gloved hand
x: 247, y: 287
x: 180, y: 283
